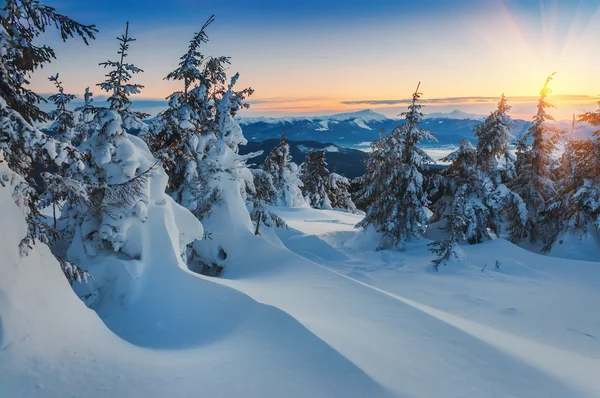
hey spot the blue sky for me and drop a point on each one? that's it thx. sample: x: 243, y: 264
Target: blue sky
x: 315, y: 57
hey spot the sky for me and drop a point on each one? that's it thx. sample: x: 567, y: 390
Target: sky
x: 320, y: 57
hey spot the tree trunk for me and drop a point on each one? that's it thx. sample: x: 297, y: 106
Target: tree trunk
x: 257, y: 224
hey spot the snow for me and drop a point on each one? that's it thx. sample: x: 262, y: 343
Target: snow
x: 307, y: 149
x: 455, y: 114
x: 362, y: 124
x: 312, y: 311
x: 359, y: 117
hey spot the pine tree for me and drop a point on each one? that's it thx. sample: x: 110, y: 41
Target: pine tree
x: 118, y: 85
x: 592, y: 118
x: 284, y: 172
x: 263, y: 193
x: 23, y: 21
x: 64, y: 121
x: 315, y: 180
x: 493, y: 142
x: 457, y: 226
x: 84, y: 117
x: 480, y: 173
x: 197, y: 141
x: 462, y: 176
x: 576, y: 205
x: 24, y: 148
x: 118, y: 174
x: 535, y: 183
x: 339, y: 193
x: 393, y: 184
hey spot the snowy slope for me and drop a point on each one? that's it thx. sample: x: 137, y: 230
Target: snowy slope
x: 333, y: 319
x: 180, y: 337
x: 525, y: 329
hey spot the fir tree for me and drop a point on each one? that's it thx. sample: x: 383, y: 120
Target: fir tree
x: 479, y: 173
x: 84, y: 116
x: 262, y: 194
x: 118, y: 85
x: 493, y: 142
x: 64, y: 121
x: 457, y: 226
x: 339, y: 193
x: 592, y: 118
x: 197, y: 141
x: 22, y: 22
x: 284, y: 173
x: 315, y: 180
x: 463, y: 177
x: 117, y: 175
x: 535, y: 183
x: 393, y: 184
x: 576, y: 205
x: 24, y: 148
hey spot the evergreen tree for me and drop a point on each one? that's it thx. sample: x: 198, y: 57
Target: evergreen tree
x: 117, y: 175
x: 457, y: 226
x: 23, y: 21
x: 262, y: 194
x: 339, y: 193
x: 284, y: 172
x: 197, y: 140
x: 393, y: 184
x: 315, y: 180
x: 24, y: 148
x: 576, y: 205
x: 535, y: 183
x: 463, y: 177
x: 493, y: 143
x: 64, y: 121
x: 84, y: 117
x: 118, y: 85
x: 480, y: 174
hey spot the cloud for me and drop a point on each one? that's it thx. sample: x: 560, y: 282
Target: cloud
x: 572, y: 98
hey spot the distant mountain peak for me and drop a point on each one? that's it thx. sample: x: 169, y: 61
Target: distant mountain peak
x: 455, y: 114
x: 367, y: 115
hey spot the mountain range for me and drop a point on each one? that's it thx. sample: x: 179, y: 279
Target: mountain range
x: 359, y: 128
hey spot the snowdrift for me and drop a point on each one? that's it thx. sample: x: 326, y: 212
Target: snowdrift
x: 179, y: 335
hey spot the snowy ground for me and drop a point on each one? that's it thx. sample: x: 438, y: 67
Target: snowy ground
x: 313, y: 311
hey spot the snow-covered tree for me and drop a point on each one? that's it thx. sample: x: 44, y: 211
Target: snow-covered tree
x: 22, y: 22
x: 24, y: 148
x: 576, y: 205
x: 462, y: 177
x: 392, y: 186
x: 64, y: 121
x: 315, y: 180
x: 197, y: 140
x: 285, y: 174
x: 456, y: 226
x: 84, y: 116
x: 493, y: 143
x: 118, y: 85
x: 592, y: 118
x: 535, y: 182
x: 263, y: 194
x: 118, y: 173
x: 339, y: 193
x: 482, y: 172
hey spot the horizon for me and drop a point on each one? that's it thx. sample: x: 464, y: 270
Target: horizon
x: 316, y: 64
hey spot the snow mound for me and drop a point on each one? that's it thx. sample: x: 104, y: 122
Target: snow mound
x: 179, y: 333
